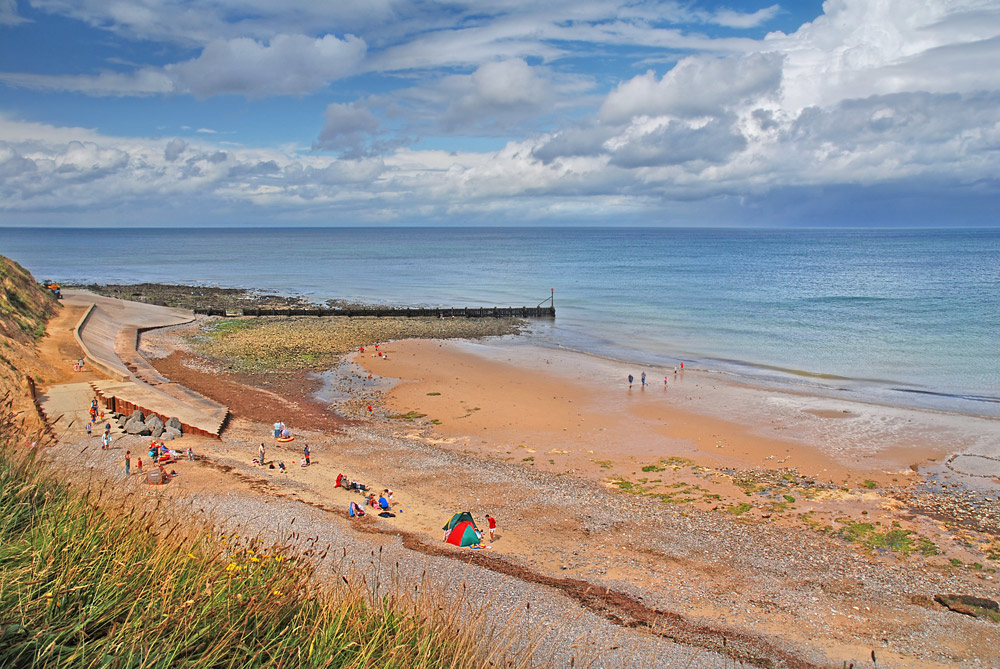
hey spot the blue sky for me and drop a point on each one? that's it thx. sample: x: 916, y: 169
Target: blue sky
x: 393, y: 112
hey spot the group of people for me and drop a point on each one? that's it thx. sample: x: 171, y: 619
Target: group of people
x: 642, y: 377
x: 261, y: 451
x: 378, y: 353
x: 281, y: 431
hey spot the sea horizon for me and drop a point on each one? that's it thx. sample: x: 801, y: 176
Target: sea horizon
x: 899, y: 316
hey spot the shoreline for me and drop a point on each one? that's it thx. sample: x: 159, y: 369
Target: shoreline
x: 784, y: 379
x: 842, y: 436
x: 878, y: 391
x: 680, y: 542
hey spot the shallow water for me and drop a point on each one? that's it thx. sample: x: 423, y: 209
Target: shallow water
x: 905, y: 317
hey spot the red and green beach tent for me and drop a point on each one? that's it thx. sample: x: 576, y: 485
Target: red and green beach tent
x: 462, y: 517
x: 463, y: 534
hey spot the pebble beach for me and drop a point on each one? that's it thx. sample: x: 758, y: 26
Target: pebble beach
x: 595, y: 552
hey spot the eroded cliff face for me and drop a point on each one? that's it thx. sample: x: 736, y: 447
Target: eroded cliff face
x: 25, y: 308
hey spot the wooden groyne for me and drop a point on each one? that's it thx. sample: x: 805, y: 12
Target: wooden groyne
x: 541, y: 311
x: 405, y: 312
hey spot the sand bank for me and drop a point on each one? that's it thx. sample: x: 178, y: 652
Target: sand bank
x: 575, y: 411
x: 678, y: 516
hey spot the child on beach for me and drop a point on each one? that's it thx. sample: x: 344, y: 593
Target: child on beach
x: 305, y: 452
x: 128, y: 462
x: 138, y: 465
x: 492, y: 522
x: 89, y: 428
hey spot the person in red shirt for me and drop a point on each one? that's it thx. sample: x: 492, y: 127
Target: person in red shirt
x: 493, y: 525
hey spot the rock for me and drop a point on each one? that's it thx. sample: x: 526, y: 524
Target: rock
x: 978, y: 607
x: 135, y: 426
x: 137, y: 414
x: 153, y: 421
x: 169, y: 434
x: 174, y: 423
x: 156, y: 431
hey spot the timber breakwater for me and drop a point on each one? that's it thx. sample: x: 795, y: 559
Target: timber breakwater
x: 385, y: 312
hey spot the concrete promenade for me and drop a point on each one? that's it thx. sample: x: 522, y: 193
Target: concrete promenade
x: 108, y: 334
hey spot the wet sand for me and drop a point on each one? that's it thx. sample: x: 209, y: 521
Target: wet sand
x: 578, y: 409
x: 672, y: 503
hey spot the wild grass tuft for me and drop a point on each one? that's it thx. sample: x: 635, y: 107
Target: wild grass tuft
x: 87, y: 582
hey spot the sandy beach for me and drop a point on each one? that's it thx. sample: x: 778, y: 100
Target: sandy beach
x: 804, y: 531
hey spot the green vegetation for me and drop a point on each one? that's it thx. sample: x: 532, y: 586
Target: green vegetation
x: 84, y: 582
x: 789, y: 499
x: 433, y: 394
x: 269, y: 344
x: 895, y: 539
x: 409, y: 415
x: 530, y: 458
x: 871, y: 485
x: 739, y: 509
x: 23, y: 302
x: 626, y: 485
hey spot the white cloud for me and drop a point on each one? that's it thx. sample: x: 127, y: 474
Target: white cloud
x: 348, y: 128
x: 876, y: 93
x: 8, y: 13
x: 678, y: 143
x: 174, y: 149
x: 697, y: 86
x: 287, y: 65
x: 145, y: 81
x: 733, y: 19
x: 496, y: 95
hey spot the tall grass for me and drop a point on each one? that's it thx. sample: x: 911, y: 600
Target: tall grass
x: 91, y: 582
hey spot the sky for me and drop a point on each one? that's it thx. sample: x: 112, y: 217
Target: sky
x: 511, y: 112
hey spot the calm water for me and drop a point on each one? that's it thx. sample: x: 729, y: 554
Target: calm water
x: 903, y: 317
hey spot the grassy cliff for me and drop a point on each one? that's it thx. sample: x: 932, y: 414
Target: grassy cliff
x: 25, y: 307
x: 91, y: 579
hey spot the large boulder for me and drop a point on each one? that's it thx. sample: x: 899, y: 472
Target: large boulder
x: 978, y: 607
x: 169, y: 434
x: 174, y: 423
x: 137, y: 414
x: 155, y: 426
x: 135, y: 426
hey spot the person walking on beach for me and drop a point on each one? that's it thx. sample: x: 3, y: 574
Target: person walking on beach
x: 138, y: 465
x: 643, y: 377
x: 89, y: 427
x: 277, y: 429
x: 260, y: 454
x: 492, y: 523
x: 128, y: 462
x: 629, y: 380
x: 664, y: 383
x: 305, y: 452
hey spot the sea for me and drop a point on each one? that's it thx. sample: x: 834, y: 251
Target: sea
x: 898, y: 317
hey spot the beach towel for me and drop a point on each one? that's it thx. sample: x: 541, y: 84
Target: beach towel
x: 386, y: 514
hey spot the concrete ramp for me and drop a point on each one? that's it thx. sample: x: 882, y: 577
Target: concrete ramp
x: 66, y: 408
x: 108, y: 333
x: 197, y: 414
